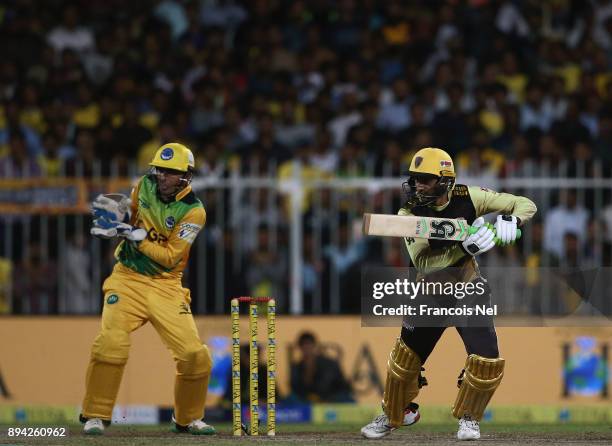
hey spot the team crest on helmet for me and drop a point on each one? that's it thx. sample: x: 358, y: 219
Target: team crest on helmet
x: 418, y: 160
x: 167, y: 154
x: 445, y: 163
x: 170, y: 222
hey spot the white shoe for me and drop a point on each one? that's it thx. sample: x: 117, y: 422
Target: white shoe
x: 380, y: 427
x: 468, y: 429
x: 196, y: 427
x: 93, y: 426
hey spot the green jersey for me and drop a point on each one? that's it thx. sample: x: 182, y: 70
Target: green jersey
x: 171, y: 229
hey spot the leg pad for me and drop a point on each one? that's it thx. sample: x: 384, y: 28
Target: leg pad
x: 478, y: 383
x: 402, y: 386
x: 191, y: 385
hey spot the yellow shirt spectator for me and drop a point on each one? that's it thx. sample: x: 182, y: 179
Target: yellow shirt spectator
x: 481, y: 161
x: 515, y: 83
x: 87, y: 117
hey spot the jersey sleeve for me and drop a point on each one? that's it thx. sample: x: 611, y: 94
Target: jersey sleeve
x: 423, y: 256
x: 179, y: 242
x: 134, y: 203
x: 486, y: 201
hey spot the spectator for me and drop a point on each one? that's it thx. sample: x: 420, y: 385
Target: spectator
x: 317, y: 378
x: 480, y: 159
x: 607, y: 221
x: 511, y: 77
x: 392, y: 163
x: 130, y: 136
x: 17, y: 163
x: 535, y: 112
x: 452, y: 131
x: 567, y: 217
x: 266, y: 271
x: 569, y: 129
x: 312, y: 273
x: 13, y: 123
x: 71, y: 34
x: 173, y: 13
x: 34, y: 283
x: 292, y: 130
x: 207, y: 112
x: 347, y: 117
x: 79, y: 295
x: 395, y: 116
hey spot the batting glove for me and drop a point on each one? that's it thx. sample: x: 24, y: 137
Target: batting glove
x: 506, y: 229
x: 481, y: 241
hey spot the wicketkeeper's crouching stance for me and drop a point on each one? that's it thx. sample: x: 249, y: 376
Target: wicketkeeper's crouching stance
x: 432, y: 192
x: 158, y: 229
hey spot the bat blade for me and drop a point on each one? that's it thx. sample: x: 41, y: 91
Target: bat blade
x: 455, y: 229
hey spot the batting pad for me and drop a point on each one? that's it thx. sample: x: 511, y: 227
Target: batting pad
x: 481, y: 377
x: 402, y: 386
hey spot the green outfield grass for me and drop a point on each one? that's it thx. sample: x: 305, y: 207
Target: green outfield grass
x: 332, y: 434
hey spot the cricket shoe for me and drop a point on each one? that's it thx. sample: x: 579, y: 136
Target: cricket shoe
x: 93, y: 426
x: 380, y: 427
x: 196, y: 427
x: 469, y: 429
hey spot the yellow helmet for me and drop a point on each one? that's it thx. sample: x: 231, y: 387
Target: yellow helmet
x: 174, y: 156
x: 432, y: 161
x: 429, y: 163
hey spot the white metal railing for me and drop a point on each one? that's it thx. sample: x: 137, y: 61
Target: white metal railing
x: 238, y: 206
x: 294, y: 187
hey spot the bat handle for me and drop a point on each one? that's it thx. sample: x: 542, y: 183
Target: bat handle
x: 474, y: 230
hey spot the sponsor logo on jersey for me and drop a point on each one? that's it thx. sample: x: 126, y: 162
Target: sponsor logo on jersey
x: 112, y: 299
x: 170, y: 222
x: 154, y: 236
x: 188, y: 231
x: 143, y: 203
x: 167, y: 154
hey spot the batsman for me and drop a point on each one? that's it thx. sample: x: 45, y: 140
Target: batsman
x: 431, y: 192
x: 157, y: 226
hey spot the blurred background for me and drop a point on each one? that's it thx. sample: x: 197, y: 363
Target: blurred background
x: 302, y: 116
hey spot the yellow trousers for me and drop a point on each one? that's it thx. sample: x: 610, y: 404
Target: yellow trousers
x: 130, y: 301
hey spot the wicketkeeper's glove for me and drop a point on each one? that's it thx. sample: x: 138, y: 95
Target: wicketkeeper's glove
x: 112, y: 207
x: 106, y: 229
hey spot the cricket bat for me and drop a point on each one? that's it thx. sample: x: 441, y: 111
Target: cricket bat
x: 455, y: 229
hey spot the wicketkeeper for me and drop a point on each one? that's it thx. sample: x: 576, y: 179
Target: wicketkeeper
x: 157, y: 228
x: 431, y: 192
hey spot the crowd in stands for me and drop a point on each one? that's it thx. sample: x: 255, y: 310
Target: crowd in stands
x: 498, y: 84
x: 342, y: 88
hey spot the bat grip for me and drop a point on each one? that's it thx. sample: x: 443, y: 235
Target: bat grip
x: 474, y: 230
